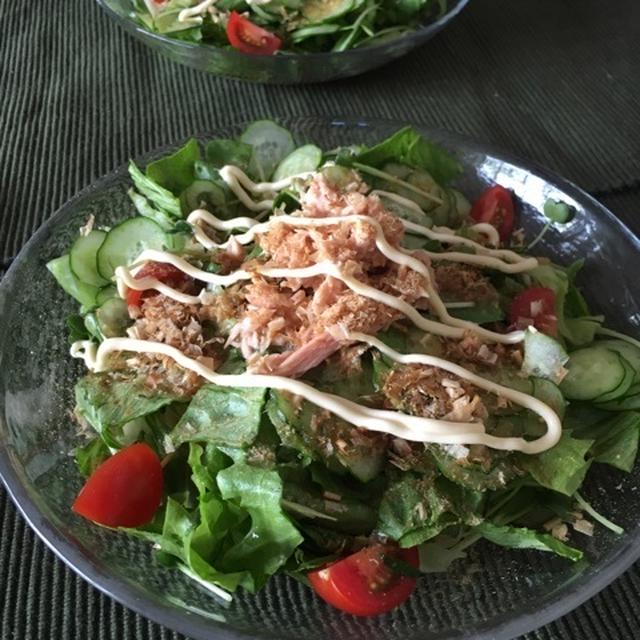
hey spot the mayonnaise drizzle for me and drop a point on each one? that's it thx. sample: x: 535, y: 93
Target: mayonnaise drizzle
x: 449, y: 327
x: 399, y: 256
x: 398, y: 424
x: 240, y: 183
x: 401, y: 425
x: 194, y: 14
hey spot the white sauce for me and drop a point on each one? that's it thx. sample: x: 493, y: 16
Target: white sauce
x: 240, y: 183
x: 449, y: 327
x: 395, y: 423
x: 487, y: 230
x: 398, y: 424
x: 193, y: 15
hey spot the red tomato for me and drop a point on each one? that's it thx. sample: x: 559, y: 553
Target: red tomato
x: 250, y: 38
x: 125, y: 490
x: 363, y: 584
x: 495, y: 206
x: 164, y: 272
x: 535, y: 306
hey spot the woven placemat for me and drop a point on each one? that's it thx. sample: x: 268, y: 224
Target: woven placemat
x: 551, y: 80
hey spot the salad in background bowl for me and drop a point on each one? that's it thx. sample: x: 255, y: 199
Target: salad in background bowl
x: 426, y: 482
x: 283, y: 42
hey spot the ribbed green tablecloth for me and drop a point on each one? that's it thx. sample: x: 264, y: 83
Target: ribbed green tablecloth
x: 554, y: 81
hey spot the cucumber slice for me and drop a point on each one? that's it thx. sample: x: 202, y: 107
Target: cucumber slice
x: 126, y: 241
x: 82, y: 258
x: 110, y: 291
x: 202, y: 192
x: 113, y: 318
x: 544, y: 357
x: 306, y: 158
x: 271, y: 143
x: 442, y: 213
x: 461, y: 205
x: 624, y: 386
x: 592, y: 372
x: 628, y: 351
x: 630, y: 402
x: 549, y: 393
x: 84, y: 293
x: 324, y: 10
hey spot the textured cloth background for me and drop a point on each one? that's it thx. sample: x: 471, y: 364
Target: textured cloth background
x: 555, y: 81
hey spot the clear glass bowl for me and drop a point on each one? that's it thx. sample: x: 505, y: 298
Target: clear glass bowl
x: 496, y: 593
x: 281, y: 68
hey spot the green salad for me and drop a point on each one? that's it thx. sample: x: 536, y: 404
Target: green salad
x: 330, y: 364
x: 263, y: 27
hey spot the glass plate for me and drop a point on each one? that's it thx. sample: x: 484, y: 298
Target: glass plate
x: 495, y: 593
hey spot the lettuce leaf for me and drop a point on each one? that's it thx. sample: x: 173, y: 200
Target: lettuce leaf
x: 271, y: 538
x: 417, y: 508
x: 225, y: 416
x: 158, y: 196
x: 615, y: 439
x: 175, y: 172
x: 561, y: 468
x: 109, y: 402
x: 580, y: 329
x: 522, y: 538
x: 409, y: 147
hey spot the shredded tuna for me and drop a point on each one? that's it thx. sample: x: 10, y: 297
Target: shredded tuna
x: 296, y: 317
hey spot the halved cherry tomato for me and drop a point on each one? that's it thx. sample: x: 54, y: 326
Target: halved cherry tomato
x: 495, y: 206
x: 125, y: 490
x: 363, y: 584
x: 164, y: 272
x: 250, y: 38
x: 535, y: 306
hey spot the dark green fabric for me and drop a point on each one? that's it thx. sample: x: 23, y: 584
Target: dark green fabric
x: 554, y: 81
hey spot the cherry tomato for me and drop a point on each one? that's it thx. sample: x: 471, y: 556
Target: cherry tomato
x: 363, y: 584
x: 250, y: 38
x: 495, y: 206
x: 164, y: 272
x: 535, y: 306
x: 125, y: 490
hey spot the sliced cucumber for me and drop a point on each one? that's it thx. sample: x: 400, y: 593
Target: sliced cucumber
x: 549, y: 393
x: 306, y: 158
x: 84, y: 293
x: 83, y: 260
x: 126, y: 241
x: 441, y: 214
x: 631, y: 402
x: 628, y: 351
x: 624, y: 386
x: 202, y: 193
x: 110, y: 291
x: 271, y: 143
x: 544, y: 357
x: 592, y: 373
x: 324, y: 10
x: 113, y: 317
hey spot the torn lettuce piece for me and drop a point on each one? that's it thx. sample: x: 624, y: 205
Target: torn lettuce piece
x: 225, y: 416
x: 114, y: 404
x: 522, y: 538
x: 408, y: 146
x: 561, y: 468
x: 416, y: 508
x: 320, y: 435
